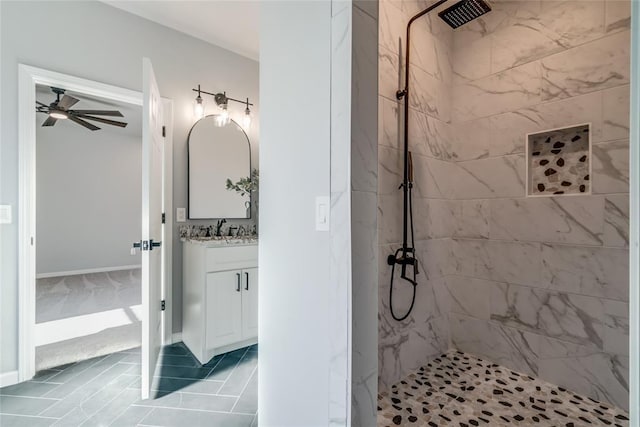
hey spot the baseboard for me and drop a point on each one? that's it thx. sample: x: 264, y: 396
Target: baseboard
x: 176, y: 337
x: 87, y: 271
x: 8, y: 378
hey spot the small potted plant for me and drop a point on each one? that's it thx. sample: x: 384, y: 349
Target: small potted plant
x: 247, y: 185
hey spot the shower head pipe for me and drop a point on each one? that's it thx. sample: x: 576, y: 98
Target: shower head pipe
x: 404, y: 94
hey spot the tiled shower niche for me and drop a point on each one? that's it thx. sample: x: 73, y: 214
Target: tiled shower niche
x: 559, y: 161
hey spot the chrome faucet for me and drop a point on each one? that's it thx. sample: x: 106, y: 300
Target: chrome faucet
x: 219, y: 227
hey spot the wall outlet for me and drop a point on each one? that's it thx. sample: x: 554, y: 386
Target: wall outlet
x: 181, y: 214
x: 5, y: 214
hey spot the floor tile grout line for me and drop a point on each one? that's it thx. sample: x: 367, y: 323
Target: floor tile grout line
x: 207, y: 394
x: 215, y: 366
x: 29, y: 397
x: 82, y: 371
x: 234, y: 368
x: 189, y: 392
x: 255, y: 368
x: 189, y: 409
x: 109, y: 401
x: 79, y: 405
x: 104, y: 386
x: 28, y: 416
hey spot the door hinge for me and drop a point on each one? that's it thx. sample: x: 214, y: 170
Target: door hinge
x: 164, y: 131
x: 164, y: 217
x: 163, y: 305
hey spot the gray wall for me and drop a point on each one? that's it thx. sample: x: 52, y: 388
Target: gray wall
x: 88, y: 197
x: 295, y: 259
x: 111, y: 53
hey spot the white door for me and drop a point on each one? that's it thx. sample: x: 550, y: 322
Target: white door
x: 152, y: 152
x: 250, y: 303
x: 224, y: 308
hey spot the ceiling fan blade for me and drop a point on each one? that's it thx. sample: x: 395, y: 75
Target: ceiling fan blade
x: 41, y: 104
x: 50, y: 121
x: 113, y: 113
x: 67, y: 102
x: 83, y: 123
x: 101, y: 120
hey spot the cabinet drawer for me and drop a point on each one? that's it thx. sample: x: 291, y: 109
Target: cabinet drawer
x: 231, y: 258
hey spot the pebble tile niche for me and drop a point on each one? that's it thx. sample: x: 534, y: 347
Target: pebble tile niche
x: 559, y: 161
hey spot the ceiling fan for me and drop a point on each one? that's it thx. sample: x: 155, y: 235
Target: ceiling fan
x: 60, y: 110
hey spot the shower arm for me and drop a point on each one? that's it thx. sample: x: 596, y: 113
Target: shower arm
x: 400, y: 94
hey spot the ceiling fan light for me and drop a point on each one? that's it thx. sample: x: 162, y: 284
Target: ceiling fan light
x: 58, y: 114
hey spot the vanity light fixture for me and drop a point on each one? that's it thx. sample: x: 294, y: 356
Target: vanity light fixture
x: 222, y: 101
x: 246, y: 120
x: 198, y: 106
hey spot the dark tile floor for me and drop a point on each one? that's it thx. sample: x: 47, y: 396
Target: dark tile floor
x: 105, y: 391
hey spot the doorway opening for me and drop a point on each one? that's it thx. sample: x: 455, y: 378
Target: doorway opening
x: 42, y: 271
x: 88, y: 193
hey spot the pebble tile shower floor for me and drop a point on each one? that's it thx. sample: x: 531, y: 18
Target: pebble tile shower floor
x: 457, y: 389
x: 105, y: 391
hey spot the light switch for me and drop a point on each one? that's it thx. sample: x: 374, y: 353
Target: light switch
x: 181, y: 214
x: 323, y: 204
x: 5, y: 214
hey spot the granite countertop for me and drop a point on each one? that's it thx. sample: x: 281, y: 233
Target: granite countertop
x: 222, y: 241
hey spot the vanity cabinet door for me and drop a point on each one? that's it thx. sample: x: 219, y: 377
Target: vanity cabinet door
x: 224, y: 308
x: 250, y: 303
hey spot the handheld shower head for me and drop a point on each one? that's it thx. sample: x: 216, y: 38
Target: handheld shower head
x: 410, y: 167
x: 464, y: 11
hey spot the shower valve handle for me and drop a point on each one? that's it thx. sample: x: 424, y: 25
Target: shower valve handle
x: 400, y: 94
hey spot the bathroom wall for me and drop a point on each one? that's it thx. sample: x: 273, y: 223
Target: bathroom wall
x: 541, y: 284
x: 80, y: 195
x: 297, y: 342
x: 404, y: 346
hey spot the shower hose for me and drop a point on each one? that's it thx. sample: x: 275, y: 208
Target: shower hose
x: 404, y: 249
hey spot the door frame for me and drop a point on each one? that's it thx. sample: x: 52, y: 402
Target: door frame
x: 28, y: 78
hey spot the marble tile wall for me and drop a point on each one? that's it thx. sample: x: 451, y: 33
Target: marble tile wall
x: 537, y: 284
x: 541, y: 284
x: 364, y: 187
x: 404, y: 346
x: 354, y: 187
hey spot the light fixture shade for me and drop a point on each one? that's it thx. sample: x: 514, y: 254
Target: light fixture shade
x: 198, y: 108
x: 246, y: 119
x: 223, y: 117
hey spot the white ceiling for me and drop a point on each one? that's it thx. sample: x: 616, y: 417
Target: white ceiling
x: 231, y: 24
x: 132, y: 113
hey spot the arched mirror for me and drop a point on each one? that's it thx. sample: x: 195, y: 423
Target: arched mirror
x: 217, y: 154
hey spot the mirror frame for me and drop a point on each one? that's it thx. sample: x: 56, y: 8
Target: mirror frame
x: 189, y: 172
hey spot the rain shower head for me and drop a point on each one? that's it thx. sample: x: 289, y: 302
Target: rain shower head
x: 464, y: 11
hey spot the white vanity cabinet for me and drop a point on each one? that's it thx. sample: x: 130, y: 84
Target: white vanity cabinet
x: 220, y: 297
